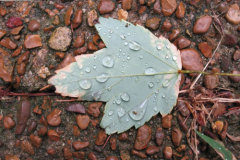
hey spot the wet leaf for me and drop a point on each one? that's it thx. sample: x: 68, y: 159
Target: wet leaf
x: 137, y: 75
x: 233, y: 138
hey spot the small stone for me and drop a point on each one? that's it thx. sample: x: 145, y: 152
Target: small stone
x: 43, y: 121
x: 156, y: 7
x: 16, y: 30
x: 105, y: 6
x: 80, y: 51
x: 183, y: 109
x: 124, y: 154
x: 56, y: 20
x: 206, y: 49
x: 235, y: 79
x: 236, y: 55
x: 123, y: 136
x: 8, y: 122
x: 101, y: 138
x: 82, y: 121
x: 167, y: 121
x: 78, y: 42
x: 32, y: 126
x: 8, y: 43
x: 211, y: 81
x: 101, y: 45
x: 159, y: 136
x: 54, y: 118
x: 14, y: 22
x: 93, y: 109
x: 48, y: 29
x: 127, y: 4
x: 51, y: 152
x: 176, y: 137
x: 66, y: 61
x: 35, y: 140
x: 60, y: 39
x: 6, y: 66
x: 152, y: 150
x: 113, y: 143
x: 153, y: 23
x: 191, y: 60
x: 96, y: 39
x: 233, y: 14
x: 42, y: 131
x: 50, y: 13
x: 17, y: 51
x: 67, y: 154
x: 182, y: 42
x: 175, y: 33
x: 77, y: 107
x: 226, y: 63
x: 229, y: 40
x: 68, y: 15
x: 3, y: 11
x: 53, y: 135
x: 27, y: 147
x: 91, y: 156
x: 79, y: 155
x: 166, y: 26
x: 76, y: 131
x: 59, y: 6
x: 92, y: 16
x: 143, y: 137
x: 2, y: 33
x: 11, y: 157
x: 168, y: 7
x: 138, y: 153
x: 181, y: 148
x: 202, y: 25
x: 180, y: 10
x: 43, y: 72
x: 142, y: 9
x: 77, y: 19
x: 91, y: 46
x: 60, y: 54
x: 80, y: 145
x: 223, y: 7
x: 217, y: 127
x: 167, y: 152
x: 111, y: 158
x: 33, y: 25
x: 32, y: 41
x: 122, y: 14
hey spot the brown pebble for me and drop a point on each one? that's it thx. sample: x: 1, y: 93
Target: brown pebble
x: 152, y: 150
x: 8, y: 122
x: 77, y: 19
x: 167, y: 121
x: 78, y: 42
x: 32, y: 41
x: 153, y: 23
x: 127, y: 4
x: 101, y: 45
x: 229, y: 40
x: 59, y: 6
x: 166, y: 26
x: 91, y: 46
x: 142, y: 9
x: 105, y: 6
x: 54, y: 118
x: 43, y: 121
x: 175, y: 33
x: 11, y: 157
x: 92, y: 156
x: 80, y: 51
x: 76, y: 131
x: 67, y: 154
x: 27, y: 147
x: 68, y: 16
x: 79, y: 155
x: 56, y: 20
x: 66, y: 61
x: 33, y: 25
x: 211, y: 81
x: 32, y: 126
x: 111, y: 158
x: 182, y: 42
x: 122, y: 14
x: 168, y: 7
x: 181, y: 148
x: 3, y: 11
x: 180, y: 10
x: 101, y: 138
x: 51, y: 152
x: 93, y: 109
x: 77, y: 107
x: 182, y: 125
x: 82, y: 121
x: 235, y: 79
x: 60, y: 54
x: 167, y: 152
x: 80, y: 145
x: 223, y: 134
x: 202, y: 25
x: 206, y: 49
x: 35, y: 140
x: 17, y: 37
x: 233, y: 14
x: 53, y: 135
x: 48, y: 29
x: 16, y: 30
x: 22, y: 62
x: 159, y: 136
x: 156, y: 7
x: 183, y: 109
x: 138, y: 153
x: 17, y: 51
x: 8, y: 43
x: 236, y: 55
x: 42, y: 131
x: 2, y: 33
x: 143, y: 137
x: 123, y: 136
x: 92, y: 16
x: 113, y: 143
x: 176, y: 137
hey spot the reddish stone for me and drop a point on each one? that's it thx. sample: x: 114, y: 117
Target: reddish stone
x: 180, y: 10
x: 27, y: 147
x: 35, y: 140
x: 82, y: 121
x: 91, y: 46
x: 166, y: 26
x: 156, y: 7
x: 80, y: 51
x: 105, y: 6
x: 235, y: 79
x: 113, y: 143
x: 76, y: 131
x: 79, y: 155
x: 17, y: 51
x: 159, y: 136
x: 182, y: 42
x: 202, y: 25
x: 32, y: 41
x: 236, y: 55
x: 96, y: 39
x: 51, y: 152
x: 93, y: 109
x: 37, y: 110
x: 66, y: 61
x: 8, y: 43
x: 111, y: 158
x: 58, y: 6
x: 101, y: 138
x: 233, y: 14
x: 16, y: 30
x: 14, y: 22
x: 152, y: 150
x: 80, y: 145
x: 138, y: 153
x: 143, y: 137
x: 77, y: 107
x: 167, y: 121
x: 6, y: 66
x: 8, y: 122
x: 2, y: 33
x: 43, y: 121
x: 176, y: 137
x: 206, y: 49
x: 53, y: 135
x: 153, y: 23
x: 22, y: 62
x: 92, y: 156
x: 78, y: 42
x: 77, y: 18
x: 54, y: 118
x: 68, y: 16
x: 42, y: 131
x: 60, y: 54
x: 168, y: 7
x: 175, y: 33
x: 167, y: 152
x: 33, y: 25
x: 123, y: 136
x: 3, y: 11
x: 67, y: 154
x: 101, y: 45
x: 32, y: 126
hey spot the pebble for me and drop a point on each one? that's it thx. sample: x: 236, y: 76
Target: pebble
x: 156, y: 7
x: 101, y: 45
x: 105, y: 6
x: 92, y: 16
x: 60, y: 54
x: 113, y: 143
x: 51, y: 152
x: 153, y: 23
x: 54, y: 119
x: 127, y: 4
x: 8, y: 122
x: 168, y: 7
x: 175, y: 33
x: 166, y: 26
x: 60, y: 39
x: 229, y: 40
x: 235, y: 79
x: 59, y: 6
x: 77, y: 107
x: 67, y: 154
x: 80, y: 145
x: 225, y: 63
x: 11, y: 157
x: 6, y: 66
x: 167, y: 121
x: 3, y: 11
x: 236, y: 55
x: 79, y: 155
x: 181, y: 148
x: 152, y: 150
x: 2, y: 33
x: 219, y: 110
x: 82, y: 121
x: 91, y: 46
x: 33, y: 25
x: 223, y: 7
x: 101, y: 138
x: 124, y: 154
x: 233, y: 14
x: 138, y: 153
x: 96, y: 39
x: 176, y: 137
x: 93, y: 109
x: 56, y: 20
x: 77, y: 21
x: 27, y: 147
x: 191, y: 60
x: 123, y: 136
x: 32, y: 41
x: 217, y: 127
x: 23, y: 114
x: 78, y: 42
x: 211, y: 81
x: 80, y: 51
x: 111, y: 158
x: 14, y: 22
x: 35, y: 140
x: 16, y: 30
x: 67, y: 18
x: 167, y: 152
x: 76, y: 131
x: 66, y: 61
x: 92, y: 156
x: 143, y: 137
x: 206, y: 49
x: 42, y: 131
x: 142, y: 9
x: 48, y: 29
x: 43, y: 121
x: 32, y: 126
x: 122, y: 14
x: 159, y: 136
x: 8, y: 43
x: 182, y: 42
x: 53, y: 135
x: 202, y: 25
x: 50, y: 13
x: 181, y: 123
x: 17, y: 51
x: 180, y: 10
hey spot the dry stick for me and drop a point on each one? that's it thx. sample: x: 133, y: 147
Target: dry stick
x: 106, y: 141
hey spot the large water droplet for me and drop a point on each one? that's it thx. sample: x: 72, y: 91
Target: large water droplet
x: 150, y: 70
x: 138, y: 111
x: 110, y: 113
x: 166, y: 83
x: 102, y: 77
x: 87, y: 69
x: 125, y: 97
x: 174, y: 58
x: 150, y: 84
x: 121, y: 112
x: 108, y: 61
x: 96, y: 95
x: 134, y: 46
x: 85, y: 84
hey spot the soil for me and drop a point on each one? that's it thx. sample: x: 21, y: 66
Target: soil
x: 42, y: 57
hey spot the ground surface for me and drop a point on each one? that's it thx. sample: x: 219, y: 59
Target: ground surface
x: 26, y: 135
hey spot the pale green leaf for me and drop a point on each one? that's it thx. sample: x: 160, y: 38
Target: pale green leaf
x: 137, y: 75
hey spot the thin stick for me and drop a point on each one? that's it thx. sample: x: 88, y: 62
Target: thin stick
x: 106, y: 141
x: 45, y: 87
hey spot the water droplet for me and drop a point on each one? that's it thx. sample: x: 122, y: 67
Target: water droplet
x: 134, y: 46
x: 94, y: 67
x: 167, y: 46
x: 138, y: 111
x: 159, y: 47
x: 150, y: 70
x: 99, y: 28
x: 123, y: 60
x: 166, y: 56
x: 158, y: 81
x: 116, y: 27
x: 120, y: 50
x: 109, y: 88
x: 87, y: 69
x: 108, y: 61
x: 114, y: 102
x: 156, y: 92
x: 155, y: 108
x: 141, y: 56
x: 85, y: 84
x: 166, y: 83
x: 122, y: 36
x: 104, y: 33
x: 102, y: 77
x: 127, y: 119
x: 123, y: 53
x: 150, y: 84
x: 125, y: 97
x: 121, y: 112
x: 129, y: 34
x: 128, y: 58
x: 118, y: 101
x: 163, y: 96
x: 110, y: 31
x: 96, y: 95
x: 174, y: 58
x: 125, y: 43
x: 109, y: 36
x: 110, y: 113
x: 95, y: 57
x: 81, y: 73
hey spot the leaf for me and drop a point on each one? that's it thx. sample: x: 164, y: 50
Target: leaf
x: 220, y: 149
x: 137, y: 75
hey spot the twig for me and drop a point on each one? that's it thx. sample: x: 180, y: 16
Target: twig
x: 45, y: 87
x: 106, y: 141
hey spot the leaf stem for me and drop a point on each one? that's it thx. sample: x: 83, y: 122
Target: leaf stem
x: 207, y: 73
